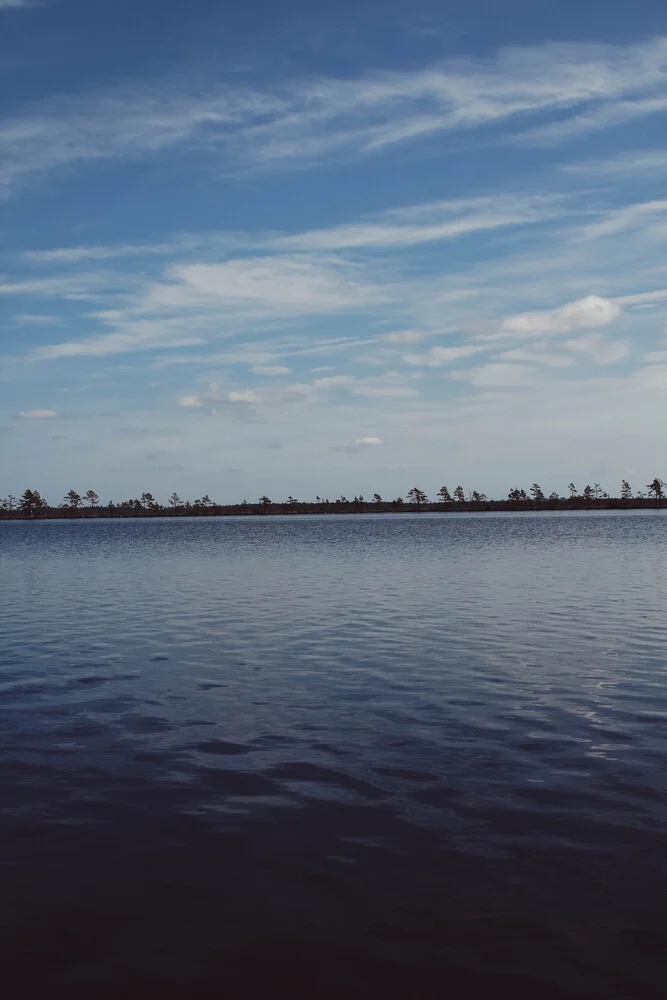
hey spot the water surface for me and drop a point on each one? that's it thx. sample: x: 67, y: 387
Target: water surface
x: 340, y: 754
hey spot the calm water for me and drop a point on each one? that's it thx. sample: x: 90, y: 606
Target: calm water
x: 355, y: 755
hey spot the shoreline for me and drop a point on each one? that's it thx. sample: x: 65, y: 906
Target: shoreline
x: 334, y: 509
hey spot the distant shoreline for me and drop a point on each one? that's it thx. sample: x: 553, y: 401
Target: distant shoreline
x: 337, y: 507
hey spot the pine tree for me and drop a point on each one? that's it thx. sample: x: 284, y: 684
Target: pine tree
x: 417, y: 497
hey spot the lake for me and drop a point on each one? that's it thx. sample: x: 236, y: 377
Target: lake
x: 350, y: 755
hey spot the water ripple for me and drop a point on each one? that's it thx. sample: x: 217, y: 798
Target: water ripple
x: 432, y: 743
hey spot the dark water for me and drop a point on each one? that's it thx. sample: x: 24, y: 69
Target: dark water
x: 350, y: 756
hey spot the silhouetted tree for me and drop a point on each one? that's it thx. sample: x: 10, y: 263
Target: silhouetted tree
x: 588, y: 493
x: 626, y: 492
x: 553, y: 495
x: 417, y: 496
x: 26, y: 503
x: 444, y: 494
x: 657, y: 489
x: 597, y: 490
x: 72, y: 499
x: 265, y: 501
x: 147, y: 501
x: 573, y: 490
x: 377, y: 498
x: 10, y: 503
x: 31, y: 503
x: 91, y: 498
x: 175, y: 501
x: 536, y: 493
x: 478, y: 497
x: 459, y: 495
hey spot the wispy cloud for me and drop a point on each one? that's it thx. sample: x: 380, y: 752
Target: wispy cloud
x: 429, y: 223
x: 305, y: 120
x: 633, y: 164
x: 438, y: 356
x: 592, y: 311
x: 359, y: 444
x: 37, y: 414
x: 196, y: 300
x: 270, y: 370
x: 604, y: 116
x: 624, y: 218
x: 499, y: 374
x: 599, y: 350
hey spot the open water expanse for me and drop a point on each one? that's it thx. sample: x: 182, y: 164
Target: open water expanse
x: 352, y: 756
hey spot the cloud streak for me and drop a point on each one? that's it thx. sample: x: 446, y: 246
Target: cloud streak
x: 592, y: 311
x: 305, y: 120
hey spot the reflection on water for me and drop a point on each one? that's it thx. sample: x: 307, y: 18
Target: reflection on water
x: 340, y: 754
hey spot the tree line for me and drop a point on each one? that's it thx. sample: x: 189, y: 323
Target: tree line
x: 31, y: 503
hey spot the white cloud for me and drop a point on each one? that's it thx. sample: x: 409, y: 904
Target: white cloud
x: 498, y: 374
x: 599, y: 350
x: 442, y: 220
x: 306, y: 120
x: 367, y: 442
x: 537, y: 355
x: 244, y: 396
x: 36, y: 319
x: 631, y: 164
x: 604, y: 116
x: 442, y: 355
x: 624, y: 218
x: 198, y: 301
x: 591, y: 311
x: 333, y: 381
x: 273, y: 286
x: 405, y: 337
x: 384, y: 391
x: 74, y: 255
x: 390, y: 385
x: 270, y: 370
x: 358, y: 444
x: 37, y: 414
x: 190, y: 401
x: 642, y: 298
x: 135, y: 337
x: 6, y: 4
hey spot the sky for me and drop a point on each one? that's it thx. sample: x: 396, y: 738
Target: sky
x: 324, y: 249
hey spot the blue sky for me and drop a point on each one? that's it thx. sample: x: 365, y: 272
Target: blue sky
x: 276, y: 248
